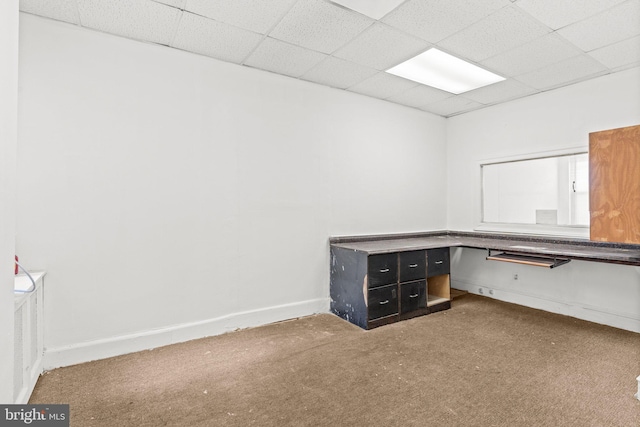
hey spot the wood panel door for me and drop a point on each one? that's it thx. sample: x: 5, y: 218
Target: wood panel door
x: 614, y: 185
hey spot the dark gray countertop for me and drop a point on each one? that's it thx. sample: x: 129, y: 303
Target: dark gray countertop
x: 580, y: 249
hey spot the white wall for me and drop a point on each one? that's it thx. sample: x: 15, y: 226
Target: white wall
x: 547, y: 122
x: 171, y: 196
x: 8, y: 144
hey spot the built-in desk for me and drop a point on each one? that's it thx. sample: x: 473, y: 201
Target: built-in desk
x: 382, y: 279
x: 579, y: 249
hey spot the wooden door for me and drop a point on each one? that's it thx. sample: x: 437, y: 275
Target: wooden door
x: 614, y: 185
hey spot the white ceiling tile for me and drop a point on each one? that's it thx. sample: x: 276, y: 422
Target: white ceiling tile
x: 256, y: 15
x: 374, y: 9
x: 383, y: 85
x: 626, y: 67
x: 319, y: 25
x: 433, y: 20
x: 450, y: 106
x: 501, y: 31
x: 510, y: 37
x: 381, y: 47
x: 284, y: 58
x: 564, y: 72
x: 499, y: 92
x: 531, y: 56
x: 175, y: 3
x: 137, y: 19
x: 420, y: 95
x: 338, y: 73
x: 611, y: 26
x: 62, y: 10
x: 619, y: 54
x: 560, y: 13
x: 215, y: 39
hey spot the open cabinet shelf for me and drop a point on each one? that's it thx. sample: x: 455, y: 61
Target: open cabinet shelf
x: 438, y: 290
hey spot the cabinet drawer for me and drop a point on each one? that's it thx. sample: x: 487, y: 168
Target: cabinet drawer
x: 413, y: 266
x: 383, y: 301
x: 437, y: 262
x: 413, y: 296
x: 382, y: 269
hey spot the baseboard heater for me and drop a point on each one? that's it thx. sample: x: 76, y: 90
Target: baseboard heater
x: 528, y: 259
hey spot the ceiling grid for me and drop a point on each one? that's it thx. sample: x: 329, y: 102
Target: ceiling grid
x: 536, y: 45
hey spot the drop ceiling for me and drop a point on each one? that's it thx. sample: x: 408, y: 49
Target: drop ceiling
x: 537, y: 45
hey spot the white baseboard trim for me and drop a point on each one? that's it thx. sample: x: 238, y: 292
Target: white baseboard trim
x: 627, y: 321
x: 74, y: 354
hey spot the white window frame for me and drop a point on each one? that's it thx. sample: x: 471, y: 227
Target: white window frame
x: 577, y: 231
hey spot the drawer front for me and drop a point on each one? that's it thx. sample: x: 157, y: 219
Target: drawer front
x: 383, y: 301
x: 413, y: 266
x: 437, y: 262
x: 383, y: 269
x: 413, y: 296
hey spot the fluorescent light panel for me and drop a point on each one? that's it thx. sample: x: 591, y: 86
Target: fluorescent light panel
x: 443, y: 71
x: 375, y: 9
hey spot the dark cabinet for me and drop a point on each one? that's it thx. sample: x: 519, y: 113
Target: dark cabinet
x: 383, y: 301
x: 413, y: 296
x: 383, y: 269
x: 413, y: 265
x: 438, y: 281
x: 371, y: 290
x: 438, y: 261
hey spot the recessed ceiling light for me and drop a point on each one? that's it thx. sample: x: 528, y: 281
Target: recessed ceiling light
x: 375, y: 9
x: 443, y: 71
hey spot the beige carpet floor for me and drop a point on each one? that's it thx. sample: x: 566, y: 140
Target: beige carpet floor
x: 482, y: 363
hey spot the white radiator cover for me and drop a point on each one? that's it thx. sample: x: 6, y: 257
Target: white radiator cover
x: 28, y: 337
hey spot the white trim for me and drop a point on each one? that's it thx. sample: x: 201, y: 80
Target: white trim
x: 582, y: 149
x: 145, y: 340
x: 617, y: 319
x: 535, y: 229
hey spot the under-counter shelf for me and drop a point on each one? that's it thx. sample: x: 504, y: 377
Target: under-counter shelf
x: 438, y: 291
x: 534, y: 260
x: 435, y: 299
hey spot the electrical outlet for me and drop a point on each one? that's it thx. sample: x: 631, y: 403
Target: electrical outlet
x: 480, y: 291
x: 515, y: 277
